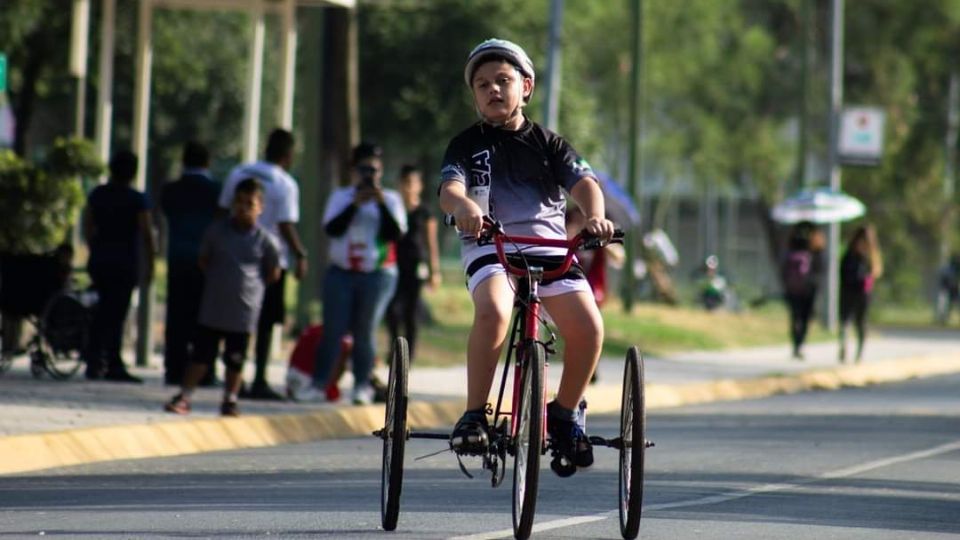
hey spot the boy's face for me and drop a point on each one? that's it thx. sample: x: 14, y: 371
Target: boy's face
x: 246, y: 208
x: 498, y: 90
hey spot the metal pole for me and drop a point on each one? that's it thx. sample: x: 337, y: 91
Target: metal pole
x: 251, y: 113
x: 105, y: 93
x: 552, y: 99
x: 141, y: 123
x: 629, y: 281
x: 836, y: 102
x: 805, y: 40
x: 79, y: 38
x: 288, y: 64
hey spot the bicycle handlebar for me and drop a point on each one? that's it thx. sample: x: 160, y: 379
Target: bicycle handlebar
x: 493, y: 233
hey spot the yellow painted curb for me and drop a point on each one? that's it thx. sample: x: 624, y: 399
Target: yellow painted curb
x: 606, y: 398
x: 23, y: 453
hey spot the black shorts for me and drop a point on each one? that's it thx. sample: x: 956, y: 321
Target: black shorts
x: 273, y: 310
x: 207, y: 345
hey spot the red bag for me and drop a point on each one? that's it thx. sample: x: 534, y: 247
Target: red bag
x: 303, y: 359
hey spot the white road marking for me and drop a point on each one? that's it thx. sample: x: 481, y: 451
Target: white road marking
x: 733, y: 495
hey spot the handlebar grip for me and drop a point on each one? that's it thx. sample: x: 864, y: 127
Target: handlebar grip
x: 592, y: 242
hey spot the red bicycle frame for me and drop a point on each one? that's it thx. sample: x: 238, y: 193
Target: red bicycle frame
x: 528, y: 307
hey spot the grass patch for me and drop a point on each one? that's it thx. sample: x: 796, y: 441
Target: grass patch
x: 655, y: 328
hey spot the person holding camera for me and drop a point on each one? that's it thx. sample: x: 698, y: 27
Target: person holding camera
x: 364, y: 221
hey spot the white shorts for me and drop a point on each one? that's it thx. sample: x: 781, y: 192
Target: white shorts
x: 554, y: 288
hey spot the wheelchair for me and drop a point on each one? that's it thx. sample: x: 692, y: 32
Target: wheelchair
x: 38, y: 289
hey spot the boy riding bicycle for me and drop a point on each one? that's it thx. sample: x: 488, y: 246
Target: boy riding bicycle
x: 508, y: 167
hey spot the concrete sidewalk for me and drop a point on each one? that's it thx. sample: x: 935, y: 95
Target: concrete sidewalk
x: 45, y: 423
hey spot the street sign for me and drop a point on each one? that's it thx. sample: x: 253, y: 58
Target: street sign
x: 3, y: 72
x: 861, y: 136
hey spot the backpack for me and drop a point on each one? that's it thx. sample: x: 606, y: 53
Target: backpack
x: 796, y: 273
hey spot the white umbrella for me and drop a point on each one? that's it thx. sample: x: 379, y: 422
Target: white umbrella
x: 821, y: 205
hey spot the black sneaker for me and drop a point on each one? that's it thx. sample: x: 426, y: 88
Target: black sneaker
x: 568, y: 439
x: 470, y: 434
x: 229, y: 408
x: 262, y: 391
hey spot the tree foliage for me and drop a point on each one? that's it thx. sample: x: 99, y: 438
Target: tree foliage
x: 723, y: 90
x: 39, y: 201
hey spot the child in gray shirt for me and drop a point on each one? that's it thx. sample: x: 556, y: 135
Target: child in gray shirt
x: 238, y: 258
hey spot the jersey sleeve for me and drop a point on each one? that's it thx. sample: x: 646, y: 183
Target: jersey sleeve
x: 568, y: 167
x: 456, y: 164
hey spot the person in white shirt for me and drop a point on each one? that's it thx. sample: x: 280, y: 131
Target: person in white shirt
x: 363, y: 222
x: 281, y: 212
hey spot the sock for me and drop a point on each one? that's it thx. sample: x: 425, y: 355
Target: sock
x: 555, y: 410
x: 186, y: 393
x: 230, y: 397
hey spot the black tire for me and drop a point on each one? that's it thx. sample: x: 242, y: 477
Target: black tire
x: 64, y: 325
x: 634, y: 444
x: 394, y: 436
x: 528, y: 441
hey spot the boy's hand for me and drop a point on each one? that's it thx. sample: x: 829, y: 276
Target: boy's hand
x: 600, y: 227
x: 469, y: 218
x: 370, y: 193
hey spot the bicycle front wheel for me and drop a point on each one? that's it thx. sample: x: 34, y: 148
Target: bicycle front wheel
x: 528, y: 440
x: 64, y: 326
x: 394, y: 436
x: 633, y: 445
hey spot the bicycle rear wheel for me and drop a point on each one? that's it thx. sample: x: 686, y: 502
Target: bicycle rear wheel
x: 633, y: 445
x: 528, y: 441
x: 63, y: 326
x: 394, y: 436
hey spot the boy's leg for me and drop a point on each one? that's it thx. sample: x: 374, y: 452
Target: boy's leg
x: 581, y: 326
x: 205, y: 352
x: 492, y: 302
x: 234, y: 353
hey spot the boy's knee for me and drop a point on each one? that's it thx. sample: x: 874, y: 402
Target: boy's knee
x: 490, y: 316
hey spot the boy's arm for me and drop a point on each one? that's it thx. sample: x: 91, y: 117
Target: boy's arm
x: 586, y: 192
x: 454, y: 200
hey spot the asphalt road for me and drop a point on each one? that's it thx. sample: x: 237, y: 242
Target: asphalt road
x: 877, y: 463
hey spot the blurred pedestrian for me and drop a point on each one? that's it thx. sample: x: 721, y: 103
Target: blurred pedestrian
x: 712, y: 285
x: 281, y: 212
x: 949, y: 294
x: 189, y: 205
x: 800, y: 272
x: 117, y: 227
x: 364, y: 223
x: 418, y: 259
x: 239, y: 258
x: 860, y: 267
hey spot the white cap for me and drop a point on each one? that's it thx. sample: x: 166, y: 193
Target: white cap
x: 500, y: 47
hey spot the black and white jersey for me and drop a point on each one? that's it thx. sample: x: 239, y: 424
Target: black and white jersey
x: 517, y: 177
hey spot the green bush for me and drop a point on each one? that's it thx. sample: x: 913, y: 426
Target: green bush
x: 39, y: 202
